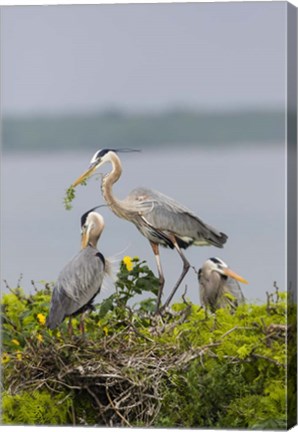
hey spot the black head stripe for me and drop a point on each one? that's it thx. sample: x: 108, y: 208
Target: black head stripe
x: 84, y: 218
x: 85, y: 215
x: 215, y: 260
x: 125, y: 150
x: 102, y: 152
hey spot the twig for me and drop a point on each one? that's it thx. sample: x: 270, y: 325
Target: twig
x: 268, y: 359
x: 276, y: 291
x: 115, y: 409
x: 100, y: 406
x: 73, y: 414
x: 183, y: 296
x: 194, y: 269
x: 236, y: 328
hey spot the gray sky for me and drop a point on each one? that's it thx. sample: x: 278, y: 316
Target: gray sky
x: 76, y: 58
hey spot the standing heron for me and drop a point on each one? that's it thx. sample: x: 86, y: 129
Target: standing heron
x: 80, y: 280
x: 218, y: 285
x: 159, y: 218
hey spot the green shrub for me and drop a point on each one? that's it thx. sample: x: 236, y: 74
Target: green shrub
x: 36, y: 408
x: 181, y: 369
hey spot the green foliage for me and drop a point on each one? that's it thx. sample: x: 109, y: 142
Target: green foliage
x: 21, y: 317
x: 36, y: 408
x: 185, y: 368
x: 69, y: 197
x: 134, y: 278
x: 238, y: 379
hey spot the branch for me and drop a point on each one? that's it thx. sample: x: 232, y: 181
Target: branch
x: 115, y: 409
x: 268, y: 359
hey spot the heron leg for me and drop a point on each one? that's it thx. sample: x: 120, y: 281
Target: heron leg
x: 185, y: 269
x: 69, y: 327
x: 155, y: 249
x: 82, y: 325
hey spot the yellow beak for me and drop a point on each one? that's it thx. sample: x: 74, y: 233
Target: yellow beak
x: 85, y: 239
x: 229, y: 272
x: 84, y: 176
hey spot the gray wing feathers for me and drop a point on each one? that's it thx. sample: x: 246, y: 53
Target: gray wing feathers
x: 82, y: 276
x: 77, y: 284
x: 232, y: 287
x: 216, y: 293
x: 61, y: 306
x: 209, y: 290
x: 166, y: 214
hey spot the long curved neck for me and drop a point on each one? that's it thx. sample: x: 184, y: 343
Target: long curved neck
x: 93, y: 240
x: 107, y: 184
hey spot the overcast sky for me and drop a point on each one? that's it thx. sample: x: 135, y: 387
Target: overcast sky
x: 138, y: 57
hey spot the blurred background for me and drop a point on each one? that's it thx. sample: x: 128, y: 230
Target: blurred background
x: 198, y: 88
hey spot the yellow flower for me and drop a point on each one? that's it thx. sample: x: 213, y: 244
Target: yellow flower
x: 106, y: 330
x: 41, y: 318
x: 15, y: 341
x: 5, y: 358
x: 128, y: 263
x: 39, y: 337
x: 19, y: 355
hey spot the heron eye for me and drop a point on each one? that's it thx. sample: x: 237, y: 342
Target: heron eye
x: 83, y: 228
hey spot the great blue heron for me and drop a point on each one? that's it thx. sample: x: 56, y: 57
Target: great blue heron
x: 80, y: 280
x: 218, y: 285
x: 159, y: 218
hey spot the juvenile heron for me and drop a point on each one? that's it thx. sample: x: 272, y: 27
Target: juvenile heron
x: 159, y: 218
x: 218, y: 285
x: 80, y: 280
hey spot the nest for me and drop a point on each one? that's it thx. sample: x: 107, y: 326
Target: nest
x: 121, y: 374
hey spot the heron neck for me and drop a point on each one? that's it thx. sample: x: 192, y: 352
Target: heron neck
x: 107, y: 185
x: 93, y: 242
x: 93, y: 239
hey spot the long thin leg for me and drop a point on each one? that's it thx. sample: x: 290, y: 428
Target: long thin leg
x: 82, y: 325
x: 185, y: 269
x: 70, y: 328
x: 155, y: 249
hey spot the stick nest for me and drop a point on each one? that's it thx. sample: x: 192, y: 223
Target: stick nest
x: 122, y: 374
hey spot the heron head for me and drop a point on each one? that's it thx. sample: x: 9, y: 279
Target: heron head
x: 92, y: 225
x: 99, y: 158
x: 85, y: 215
x: 219, y: 266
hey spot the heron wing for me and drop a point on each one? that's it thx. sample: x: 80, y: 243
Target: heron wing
x: 232, y: 288
x: 78, y: 283
x: 61, y: 306
x: 168, y: 216
x: 210, y: 288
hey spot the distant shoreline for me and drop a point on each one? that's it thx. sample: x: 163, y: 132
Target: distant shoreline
x: 114, y: 128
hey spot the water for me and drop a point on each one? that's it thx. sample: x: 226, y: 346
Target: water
x: 240, y: 192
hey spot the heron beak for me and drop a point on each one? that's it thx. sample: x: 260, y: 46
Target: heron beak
x: 229, y: 272
x: 84, y: 176
x: 85, y: 240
